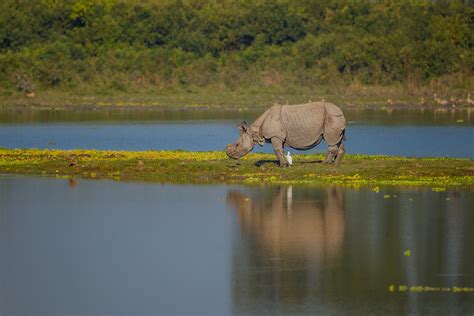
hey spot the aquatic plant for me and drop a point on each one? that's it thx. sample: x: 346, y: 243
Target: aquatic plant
x: 254, y: 169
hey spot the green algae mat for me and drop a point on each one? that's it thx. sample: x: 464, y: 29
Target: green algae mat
x: 216, y: 167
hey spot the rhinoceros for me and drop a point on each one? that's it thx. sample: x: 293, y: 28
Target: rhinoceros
x: 301, y: 126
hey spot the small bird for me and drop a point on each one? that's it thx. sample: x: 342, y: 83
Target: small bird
x: 422, y: 102
x: 453, y: 101
x: 289, y: 158
x: 469, y: 100
x: 390, y: 102
x: 440, y: 101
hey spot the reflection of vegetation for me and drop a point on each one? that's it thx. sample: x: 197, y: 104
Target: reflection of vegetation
x: 122, y: 46
x: 215, y: 167
x: 388, y: 117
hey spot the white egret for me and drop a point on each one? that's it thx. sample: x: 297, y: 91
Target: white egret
x: 289, y: 159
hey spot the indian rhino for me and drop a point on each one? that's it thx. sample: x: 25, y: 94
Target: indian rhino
x: 301, y: 126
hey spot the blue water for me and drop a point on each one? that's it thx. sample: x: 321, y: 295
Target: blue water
x: 412, y: 141
x: 91, y: 247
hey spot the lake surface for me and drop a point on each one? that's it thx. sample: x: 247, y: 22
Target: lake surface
x: 404, y: 133
x: 368, y: 116
x: 102, y: 247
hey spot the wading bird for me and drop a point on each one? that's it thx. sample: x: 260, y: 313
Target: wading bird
x: 422, y: 101
x: 453, y: 101
x: 439, y: 101
x: 289, y: 158
x: 469, y: 100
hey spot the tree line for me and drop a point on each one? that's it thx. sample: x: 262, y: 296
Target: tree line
x: 119, y: 44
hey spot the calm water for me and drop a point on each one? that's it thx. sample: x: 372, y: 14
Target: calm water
x: 406, y: 133
x: 368, y: 116
x: 103, y: 247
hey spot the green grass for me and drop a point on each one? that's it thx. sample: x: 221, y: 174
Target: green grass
x: 215, y: 167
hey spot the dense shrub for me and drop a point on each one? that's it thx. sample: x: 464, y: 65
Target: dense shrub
x: 117, y: 44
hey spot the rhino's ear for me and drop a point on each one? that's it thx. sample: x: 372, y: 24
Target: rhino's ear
x: 243, y: 127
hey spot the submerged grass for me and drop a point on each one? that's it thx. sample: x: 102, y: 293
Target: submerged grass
x: 216, y: 167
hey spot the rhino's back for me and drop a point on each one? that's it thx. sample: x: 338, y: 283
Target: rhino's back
x: 304, y: 123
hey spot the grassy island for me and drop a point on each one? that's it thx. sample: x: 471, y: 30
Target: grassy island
x: 215, y: 167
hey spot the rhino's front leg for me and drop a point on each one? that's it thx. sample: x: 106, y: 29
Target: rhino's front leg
x: 278, y: 148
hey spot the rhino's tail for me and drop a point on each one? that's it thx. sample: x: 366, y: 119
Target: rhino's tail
x: 344, y: 135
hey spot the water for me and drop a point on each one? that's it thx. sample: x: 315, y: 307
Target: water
x: 405, y: 133
x: 367, y: 116
x: 102, y: 247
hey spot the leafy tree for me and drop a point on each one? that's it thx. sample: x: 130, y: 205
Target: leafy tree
x: 58, y: 43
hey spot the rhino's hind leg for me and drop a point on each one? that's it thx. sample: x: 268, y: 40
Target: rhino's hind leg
x: 331, y: 155
x: 335, y: 153
x: 340, y: 153
x: 278, y: 148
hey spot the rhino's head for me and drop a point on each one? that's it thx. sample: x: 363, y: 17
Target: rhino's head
x: 243, y: 145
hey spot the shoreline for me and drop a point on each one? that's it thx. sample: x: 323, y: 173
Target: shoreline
x: 214, y: 100
x: 191, y: 108
x: 254, y: 169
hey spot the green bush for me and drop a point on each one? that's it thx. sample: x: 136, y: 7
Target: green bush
x: 118, y: 44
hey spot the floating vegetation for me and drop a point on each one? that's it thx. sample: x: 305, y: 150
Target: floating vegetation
x: 216, y: 167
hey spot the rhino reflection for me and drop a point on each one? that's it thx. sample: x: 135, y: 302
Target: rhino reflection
x: 342, y: 247
x: 293, y: 226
